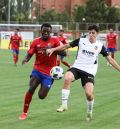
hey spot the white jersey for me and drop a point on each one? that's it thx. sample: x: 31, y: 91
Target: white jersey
x: 87, y: 55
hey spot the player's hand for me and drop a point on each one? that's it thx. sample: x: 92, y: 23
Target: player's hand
x: 8, y: 47
x: 49, y: 52
x: 24, y: 61
x: 68, y: 54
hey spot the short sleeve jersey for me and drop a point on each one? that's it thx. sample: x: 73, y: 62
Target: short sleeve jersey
x: 87, y: 55
x: 15, y: 41
x: 111, y: 39
x: 43, y: 63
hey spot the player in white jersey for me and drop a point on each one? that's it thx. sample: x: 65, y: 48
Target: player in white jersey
x: 84, y: 67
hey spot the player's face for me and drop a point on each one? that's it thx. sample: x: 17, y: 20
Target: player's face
x: 16, y: 32
x: 92, y: 35
x: 60, y: 33
x: 111, y: 30
x: 46, y: 33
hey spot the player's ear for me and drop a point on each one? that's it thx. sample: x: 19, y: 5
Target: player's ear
x: 50, y: 30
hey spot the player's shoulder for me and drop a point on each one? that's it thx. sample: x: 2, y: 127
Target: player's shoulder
x: 83, y: 39
x: 108, y: 34
x: 12, y: 35
x: 53, y: 37
x: 115, y: 34
x: 36, y: 40
x: 64, y: 37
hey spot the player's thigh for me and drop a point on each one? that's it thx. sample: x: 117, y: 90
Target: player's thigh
x: 69, y: 78
x: 62, y: 58
x: 43, y: 92
x: 33, y: 83
x: 46, y: 84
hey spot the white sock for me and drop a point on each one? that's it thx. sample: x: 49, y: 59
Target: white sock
x: 65, y: 95
x: 90, y: 105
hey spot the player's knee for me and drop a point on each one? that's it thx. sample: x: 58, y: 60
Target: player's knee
x: 89, y: 96
x: 31, y: 90
x: 68, y: 77
x: 41, y: 96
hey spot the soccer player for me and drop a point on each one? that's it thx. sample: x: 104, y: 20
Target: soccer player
x: 84, y: 67
x: 42, y: 66
x: 63, y: 54
x: 111, y: 43
x: 14, y: 44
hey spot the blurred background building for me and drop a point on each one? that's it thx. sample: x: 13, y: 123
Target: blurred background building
x: 66, y: 5
x: 113, y: 3
x: 58, y: 5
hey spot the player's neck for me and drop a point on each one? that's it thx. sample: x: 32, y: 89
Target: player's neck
x: 92, y: 40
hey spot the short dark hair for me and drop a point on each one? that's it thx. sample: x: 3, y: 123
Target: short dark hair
x: 61, y: 30
x: 93, y: 27
x: 17, y: 29
x: 46, y: 25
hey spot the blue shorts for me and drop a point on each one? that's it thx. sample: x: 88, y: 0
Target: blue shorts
x: 15, y: 51
x: 62, y: 57
x: 111, y: 50
x: 45, y: 80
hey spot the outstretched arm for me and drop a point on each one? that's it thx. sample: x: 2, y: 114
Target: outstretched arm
x: 59, y: 48
x: 113, y: 62
x: 63, y: 47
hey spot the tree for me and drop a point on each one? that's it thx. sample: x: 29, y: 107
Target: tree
x: 23, y: 9
x: 78, y: 13
x: 3, y: 10
x: 49, y: 15
x: 96, y: 11
x: 63, y: 17
x: 113, y: 15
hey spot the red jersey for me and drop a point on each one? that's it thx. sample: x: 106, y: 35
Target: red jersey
x: 44, y: 63
x: 15, y: 41
x: 62, y: 39
x: 112, y: 40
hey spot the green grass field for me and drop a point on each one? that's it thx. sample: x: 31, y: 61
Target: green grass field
x: 42, y: 114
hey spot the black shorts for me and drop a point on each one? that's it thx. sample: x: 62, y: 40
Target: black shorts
x: 84, y: 76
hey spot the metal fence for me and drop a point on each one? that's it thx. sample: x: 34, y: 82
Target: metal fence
x: 76, y: 28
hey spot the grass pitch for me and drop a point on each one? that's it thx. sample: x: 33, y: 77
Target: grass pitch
x: 42, y: 113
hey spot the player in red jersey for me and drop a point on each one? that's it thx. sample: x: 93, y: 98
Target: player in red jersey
x: 14, y: 44
x: 111, y: 44
x: 42, y: 66
x: 63, y: 54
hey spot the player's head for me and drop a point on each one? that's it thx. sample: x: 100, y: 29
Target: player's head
x: 111, y: 30
x: 46, y: 29
x: 93, y: 32
x: 16, y: 31
x: 61, y: 31
x: 93, y: 27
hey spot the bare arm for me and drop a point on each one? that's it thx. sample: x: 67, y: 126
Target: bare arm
x: 113, y: 62
x: 9, y: 44
x: 26, y: 59
x: 59, y: 48
x: 21, y: 42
